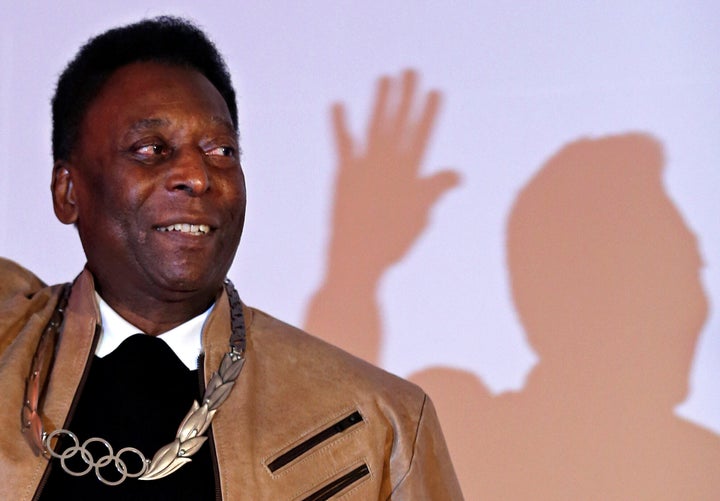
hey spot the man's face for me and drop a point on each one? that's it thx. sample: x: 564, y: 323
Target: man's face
x: 158, y: 188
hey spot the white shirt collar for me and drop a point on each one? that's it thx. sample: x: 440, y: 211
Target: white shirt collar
x: 185, y: 339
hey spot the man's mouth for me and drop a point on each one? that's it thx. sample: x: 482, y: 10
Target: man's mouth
x: 192, y: 229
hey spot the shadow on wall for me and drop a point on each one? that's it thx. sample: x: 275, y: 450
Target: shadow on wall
x: 380, y: 208
x: 606, y: 280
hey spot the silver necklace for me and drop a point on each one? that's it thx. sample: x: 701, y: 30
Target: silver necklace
x: 190, y: 435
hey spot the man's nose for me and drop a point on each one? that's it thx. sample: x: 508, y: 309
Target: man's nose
x: 188, y: 172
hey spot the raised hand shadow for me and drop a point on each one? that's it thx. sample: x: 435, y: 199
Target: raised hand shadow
x: 381, y: 206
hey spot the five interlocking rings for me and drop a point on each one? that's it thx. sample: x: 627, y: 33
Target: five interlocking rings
x: 90, y: 461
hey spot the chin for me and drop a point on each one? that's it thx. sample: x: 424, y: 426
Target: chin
x: 182, y: 281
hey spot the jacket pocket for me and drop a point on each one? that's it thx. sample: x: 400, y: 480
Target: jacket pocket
x: 344, y: 482
x: 315, y: 440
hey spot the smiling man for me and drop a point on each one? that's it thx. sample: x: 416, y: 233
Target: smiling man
x: 147, y: 377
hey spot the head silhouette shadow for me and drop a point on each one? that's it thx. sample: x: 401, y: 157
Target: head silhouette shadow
x: 605, y: 277
x: 605, y: 274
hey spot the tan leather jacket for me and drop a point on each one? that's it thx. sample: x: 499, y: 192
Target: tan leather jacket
x: 292, y: 386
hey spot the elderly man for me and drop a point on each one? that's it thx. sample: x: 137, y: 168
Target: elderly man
x: 147, y: 377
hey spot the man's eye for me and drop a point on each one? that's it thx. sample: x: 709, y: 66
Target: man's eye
x: 152, y: 150
x: 222, y: 151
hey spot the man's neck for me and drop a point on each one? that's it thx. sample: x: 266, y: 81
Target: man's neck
x: 155, y: 314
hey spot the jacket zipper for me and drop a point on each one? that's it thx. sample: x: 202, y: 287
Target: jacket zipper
x: 73, y: 407
x: 337, y: 485
x: 315, y: 440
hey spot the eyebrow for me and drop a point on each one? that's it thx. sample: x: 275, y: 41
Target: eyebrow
x: 149, y: 123
x: 152, y: 123
x: 224, y: 122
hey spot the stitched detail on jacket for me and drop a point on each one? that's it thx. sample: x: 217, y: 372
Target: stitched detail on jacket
x: 360, y: 483
x: 319, y: 451
x: 328, y: 478
x: 309, y: 434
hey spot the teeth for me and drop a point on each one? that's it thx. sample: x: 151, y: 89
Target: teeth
x: 193, y: 229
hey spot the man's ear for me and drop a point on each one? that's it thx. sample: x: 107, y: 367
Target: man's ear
x: 63, y: 193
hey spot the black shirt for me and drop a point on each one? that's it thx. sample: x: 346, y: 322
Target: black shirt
x: 136, y: 396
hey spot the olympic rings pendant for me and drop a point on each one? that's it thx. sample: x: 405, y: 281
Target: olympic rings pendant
x: 90, y: 461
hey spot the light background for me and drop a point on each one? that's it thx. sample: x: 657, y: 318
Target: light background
x: 519, y: 80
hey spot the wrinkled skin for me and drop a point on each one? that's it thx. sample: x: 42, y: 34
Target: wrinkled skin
x: 156, y: 148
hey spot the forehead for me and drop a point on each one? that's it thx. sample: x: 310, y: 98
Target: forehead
x: 155, y: 92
